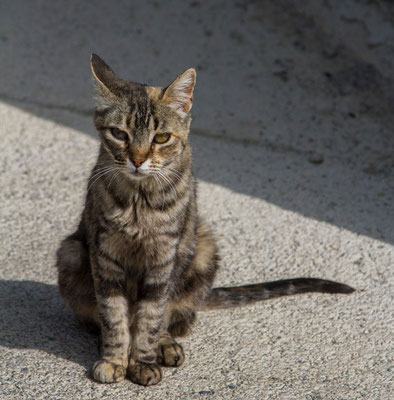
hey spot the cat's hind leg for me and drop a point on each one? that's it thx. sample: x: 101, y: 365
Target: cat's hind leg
x: 181, y: 319
x: 76, y: 282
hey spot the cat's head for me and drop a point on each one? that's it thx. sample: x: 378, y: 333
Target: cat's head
x: 143, y: 129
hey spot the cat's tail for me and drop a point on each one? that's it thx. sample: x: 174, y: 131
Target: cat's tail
x: 227, y: 297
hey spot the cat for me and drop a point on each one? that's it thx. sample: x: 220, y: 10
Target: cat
x: 142, y: 262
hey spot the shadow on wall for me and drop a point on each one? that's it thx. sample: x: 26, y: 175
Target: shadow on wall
x: 32, y: 316
x: 47, y: 74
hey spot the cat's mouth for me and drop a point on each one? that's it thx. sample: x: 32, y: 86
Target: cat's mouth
x: 138, y: 174
x: 137, y: 171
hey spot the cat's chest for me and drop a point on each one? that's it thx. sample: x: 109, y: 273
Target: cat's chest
x: 139, y: 221
x: 136, y: 236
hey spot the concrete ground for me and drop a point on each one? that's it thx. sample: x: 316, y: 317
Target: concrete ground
x: 294, y: 148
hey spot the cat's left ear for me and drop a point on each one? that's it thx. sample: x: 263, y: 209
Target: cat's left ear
x: 179, y: 95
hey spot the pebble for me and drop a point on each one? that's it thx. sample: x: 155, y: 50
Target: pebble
x: 316, y: 158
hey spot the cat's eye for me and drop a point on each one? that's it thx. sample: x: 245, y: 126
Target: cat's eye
x: 161, y: 138
x: 120, y: 135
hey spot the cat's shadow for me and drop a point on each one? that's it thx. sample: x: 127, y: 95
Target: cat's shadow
x: 33, y: 316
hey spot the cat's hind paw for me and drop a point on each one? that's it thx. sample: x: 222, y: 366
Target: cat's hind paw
x: 170, y: 355
x: 144, y: 374
x: 108, y: 372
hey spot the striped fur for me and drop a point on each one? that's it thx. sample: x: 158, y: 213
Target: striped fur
x: 142, y: 262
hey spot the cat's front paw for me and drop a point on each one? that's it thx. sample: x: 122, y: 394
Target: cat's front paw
x: 171, y: 355
x: 108, y: 372
x: 144, y: 374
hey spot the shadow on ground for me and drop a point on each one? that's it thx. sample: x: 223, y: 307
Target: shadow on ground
x: 329, y: 192
x: 33, y: 316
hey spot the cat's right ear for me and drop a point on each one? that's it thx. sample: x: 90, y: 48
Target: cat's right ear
x: 107, y: 83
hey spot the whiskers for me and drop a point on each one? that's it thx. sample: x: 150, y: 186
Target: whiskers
x: 173, y: 171
x: 99, y: 173
x: 165, y: 178
x: 168, y: 180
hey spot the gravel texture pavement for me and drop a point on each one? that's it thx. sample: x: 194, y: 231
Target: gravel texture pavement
x: 293, y: 146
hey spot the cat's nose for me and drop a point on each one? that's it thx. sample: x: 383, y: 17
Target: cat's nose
x: 138, y: 162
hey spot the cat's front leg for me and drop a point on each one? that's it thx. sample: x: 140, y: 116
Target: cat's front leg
x: 112, y: 306
x: 143, y: 368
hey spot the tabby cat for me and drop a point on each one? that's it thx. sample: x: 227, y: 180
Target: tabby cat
x: 142, y: 261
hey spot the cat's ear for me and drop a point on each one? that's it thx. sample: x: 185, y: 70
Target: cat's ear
x: 179, y: 95
x: 108, y: 84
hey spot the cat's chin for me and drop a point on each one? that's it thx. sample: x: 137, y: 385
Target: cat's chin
x: 137, y: 176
